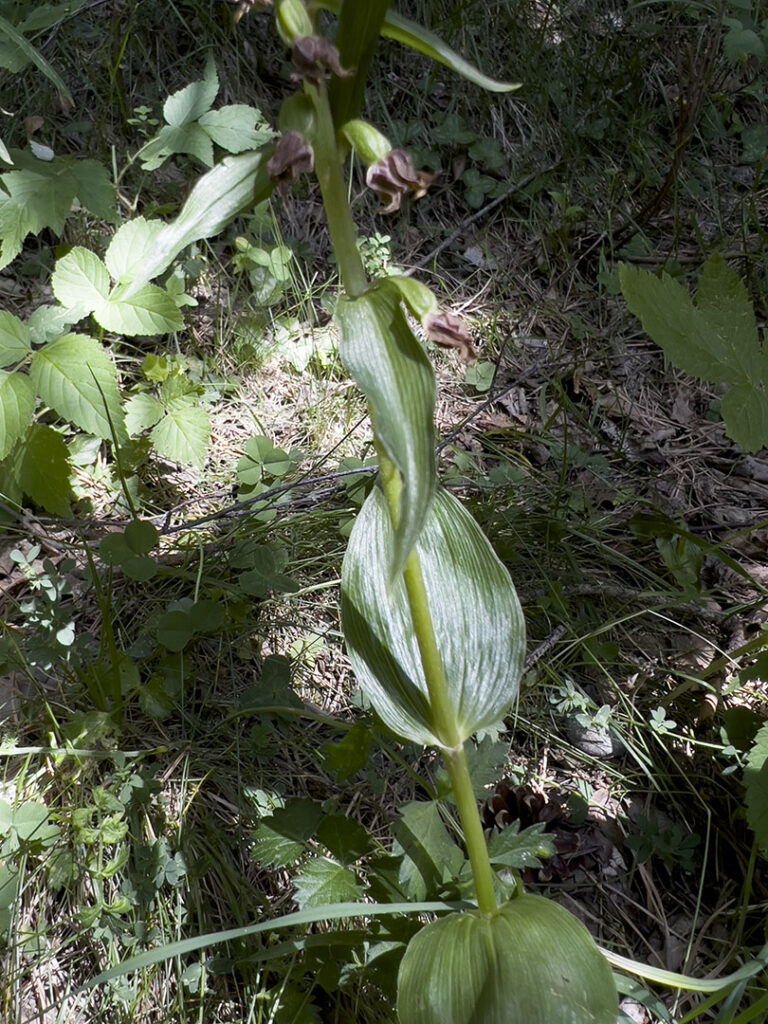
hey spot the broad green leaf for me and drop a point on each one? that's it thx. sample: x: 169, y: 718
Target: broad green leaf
x: 187, y: 138
x: 189, y: 103
x: 17, y: 404
x: 234, y: 128
x: 530, y: 962
x: 80, y: 281
x: 131, y: 245
x: 742, y: 43
x: 477, y: 618
x: 322, y: 881
x: 182, y: 434
x: 49, y: 322
x: 344, y: 838
x: 696, y: 339
x: 348, y: 756
x: 420, y: 39
x: 5, y: 155
x: 33, y: 56
x: 357, y: 36
x: 31, y: 824
x: 281, y: 838
x: 756, y: 785
x: 75, y: 376
x: 745, y: 411
x: 142, y: 411
x: 238, y: 182
x: 15, y: 339
x: 41, y: 195
x: 151, y: 310
x: 429, y: 856
x: 380, y: 351
x: 40, y: 465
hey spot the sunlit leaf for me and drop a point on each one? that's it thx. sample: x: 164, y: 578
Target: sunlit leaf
x: 17, y: 403
x: 322, y: 881
x: 380, y: 351
x: 531, y: 962
x: 477, y: 618
x: 14, y: 339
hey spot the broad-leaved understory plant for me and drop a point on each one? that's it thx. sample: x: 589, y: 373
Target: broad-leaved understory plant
x: 432, y: 623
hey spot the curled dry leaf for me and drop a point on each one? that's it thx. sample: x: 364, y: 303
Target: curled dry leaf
x: 246, y: 6
x: 395, y: 176
x: 316, y: 59
x: 293, y: 156
x: 450, y: 331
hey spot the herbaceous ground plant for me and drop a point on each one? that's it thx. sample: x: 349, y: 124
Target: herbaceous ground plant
x: 431, y: 620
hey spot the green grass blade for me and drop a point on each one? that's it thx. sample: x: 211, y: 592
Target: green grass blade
x: 7, y: 29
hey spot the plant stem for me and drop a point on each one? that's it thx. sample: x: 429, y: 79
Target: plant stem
x: 328, y: 170
x: 452, y: 746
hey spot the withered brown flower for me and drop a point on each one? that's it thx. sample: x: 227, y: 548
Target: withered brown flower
x: 394, y: 176
x: 315, y: 60
x: 293, y: 156
x: 450, y: 331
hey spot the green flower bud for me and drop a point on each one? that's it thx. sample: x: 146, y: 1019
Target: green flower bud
x: 369, y: 144
x: 297, y: 114
x: 292, y: 20
x: 531, y: 962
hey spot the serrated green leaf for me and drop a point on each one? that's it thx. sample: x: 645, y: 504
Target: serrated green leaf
x: 346, y: 840
x: 142, y: 411
x: 80, y: 281
x: 429, y: 857
x: 17, y: 404
x: 40, y: 465
x: 756, y: 786
x: 530, y: 962
x: 15, y: 339
x: 380, y: 351
x: 189, y: 103
x: 75, y: 376
x: 233, y: 185
x: 724, y: 302
x: 182, y: 434
x: 187, y: 138
x: 682, y: 330
x: 281, y: 838
x: 416, y: 37
x: 745, y: 411
x: 515, y: 849
x: 131, y: 245
x: 234, y: 128
x: 50, y: 322
x: 41, y: 195
x: 742, y: 43
x: 322, y: 881
x: 151, y: 310
x: 486, y: 762
x: 475, y: 610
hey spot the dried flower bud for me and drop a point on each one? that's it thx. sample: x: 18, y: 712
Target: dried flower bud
x: 315, y: 60
x: 450, y: 331
x: 293, y: 156
x: 395, y: 176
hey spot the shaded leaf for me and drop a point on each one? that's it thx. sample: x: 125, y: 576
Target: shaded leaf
x: 281, y: 838
x: 41, y: 468
x: 17, y: 404
x: 756, y: 785
x: 429, y: 857
x: 476, y: 614
x: 345, y: 839
x: 348, y: 756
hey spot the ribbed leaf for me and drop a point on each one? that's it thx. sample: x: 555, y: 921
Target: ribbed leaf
x: 233, y: 185
x: 132, y: 244
x: 420, y: 39
x: 356, y: 39
x: 14, y: 339
x: 476, y: 614
x: 380, y: 351
x: 756, y: 785
x: 17, y: 403
x: 531, y: 963
x: 75, y: 376
x: 80, y: 280
x: 150, y: 310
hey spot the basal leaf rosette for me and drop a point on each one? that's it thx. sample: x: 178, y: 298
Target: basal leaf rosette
x: 531, y: 962
x: 390, y: 367
x: 475, y: 611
